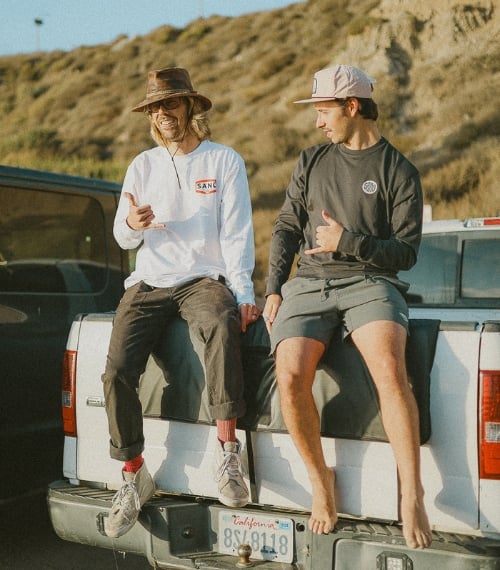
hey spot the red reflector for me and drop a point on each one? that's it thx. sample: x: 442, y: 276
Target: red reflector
x: 492, y: 221
x: 69, y: 393
x: 489, y: 464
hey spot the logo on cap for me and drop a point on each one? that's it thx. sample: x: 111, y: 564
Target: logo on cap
x: 314, y: 87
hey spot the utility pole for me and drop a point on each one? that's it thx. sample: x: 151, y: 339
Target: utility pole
x: 38, y: 23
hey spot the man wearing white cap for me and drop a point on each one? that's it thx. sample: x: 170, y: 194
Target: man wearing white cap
x: 353, y: 214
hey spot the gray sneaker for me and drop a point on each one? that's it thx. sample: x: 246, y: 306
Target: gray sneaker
x: 233, y: 491
x: 128, y: 500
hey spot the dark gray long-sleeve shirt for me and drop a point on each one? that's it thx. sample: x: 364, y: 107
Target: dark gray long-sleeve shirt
x: 374, y: 193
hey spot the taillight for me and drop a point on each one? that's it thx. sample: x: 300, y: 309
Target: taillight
x: 69, y: 393
x: 489, y: 463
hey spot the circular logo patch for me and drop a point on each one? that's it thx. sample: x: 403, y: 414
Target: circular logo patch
x: 369, y: 187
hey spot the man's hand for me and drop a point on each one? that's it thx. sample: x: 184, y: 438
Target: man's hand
x: 140, y: 217
x: 327, y: 237
x: 249, y: 314
x: 273, y: 303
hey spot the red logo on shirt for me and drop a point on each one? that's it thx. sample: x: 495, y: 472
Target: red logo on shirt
x: 208, y: 186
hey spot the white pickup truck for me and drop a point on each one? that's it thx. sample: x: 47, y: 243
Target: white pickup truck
x: 454, y: 366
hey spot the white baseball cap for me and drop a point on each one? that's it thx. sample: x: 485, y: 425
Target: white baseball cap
x: 339, y: 82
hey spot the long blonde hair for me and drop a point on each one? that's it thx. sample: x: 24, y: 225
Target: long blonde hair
x: 197, y: 122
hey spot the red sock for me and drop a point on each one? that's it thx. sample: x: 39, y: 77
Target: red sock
x: 134, y: 464
x: 226, y: 430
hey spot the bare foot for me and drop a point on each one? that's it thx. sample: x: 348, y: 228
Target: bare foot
x: 416, y: 528
x: 324, y: 514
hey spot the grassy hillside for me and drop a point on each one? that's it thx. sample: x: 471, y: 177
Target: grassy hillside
x: 437, y: 66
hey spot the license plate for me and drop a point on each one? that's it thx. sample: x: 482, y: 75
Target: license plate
x: 270, y: 538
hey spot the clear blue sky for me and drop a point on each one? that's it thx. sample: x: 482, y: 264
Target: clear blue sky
x: 68, y: 24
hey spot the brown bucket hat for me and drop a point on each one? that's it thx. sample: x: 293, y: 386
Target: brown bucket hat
x: 167, y: 83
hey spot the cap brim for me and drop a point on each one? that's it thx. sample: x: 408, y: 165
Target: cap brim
x: 316, y: 100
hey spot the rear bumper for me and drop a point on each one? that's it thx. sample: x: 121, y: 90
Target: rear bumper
x: 181, y: 532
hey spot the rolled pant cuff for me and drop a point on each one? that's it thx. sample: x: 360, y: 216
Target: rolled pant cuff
x: 125, y: 453
x: 228, y: 410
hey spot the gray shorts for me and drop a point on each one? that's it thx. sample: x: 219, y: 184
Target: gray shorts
x: 315, y: 308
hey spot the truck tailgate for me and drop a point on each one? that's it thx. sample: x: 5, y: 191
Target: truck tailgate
x: 180, y: 454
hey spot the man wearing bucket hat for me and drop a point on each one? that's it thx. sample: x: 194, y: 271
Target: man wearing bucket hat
x: 353, y: 213
x: 186, y: 205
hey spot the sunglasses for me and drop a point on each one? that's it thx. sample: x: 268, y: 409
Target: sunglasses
x: 165, y: 104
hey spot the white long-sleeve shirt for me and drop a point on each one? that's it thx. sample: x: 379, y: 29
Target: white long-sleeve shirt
x: 208, y: 218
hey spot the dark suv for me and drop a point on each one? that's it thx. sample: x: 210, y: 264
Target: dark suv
x: 58, y: 258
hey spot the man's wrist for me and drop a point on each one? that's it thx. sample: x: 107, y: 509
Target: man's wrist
x: 128, y: 224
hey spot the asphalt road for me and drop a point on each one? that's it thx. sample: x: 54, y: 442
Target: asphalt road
x: 27, y: 542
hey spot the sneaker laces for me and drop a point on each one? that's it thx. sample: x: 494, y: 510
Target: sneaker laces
x: 231, y: 463
x: 121, y: 499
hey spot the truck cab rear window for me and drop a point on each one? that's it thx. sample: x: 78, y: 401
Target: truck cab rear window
x: 433, y: 278
x: 481, y: 269
x: 455, y: 271
x: 51, y: 242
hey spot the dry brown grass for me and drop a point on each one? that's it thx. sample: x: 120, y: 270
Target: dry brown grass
x: 438, y: 74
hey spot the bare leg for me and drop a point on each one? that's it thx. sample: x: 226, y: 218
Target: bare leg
x: 296, y: 361
x: 382, y: 345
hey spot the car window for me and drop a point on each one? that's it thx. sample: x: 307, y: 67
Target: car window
x: 51, y: 242
x: 481, y: 269
x: 432, y: 279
